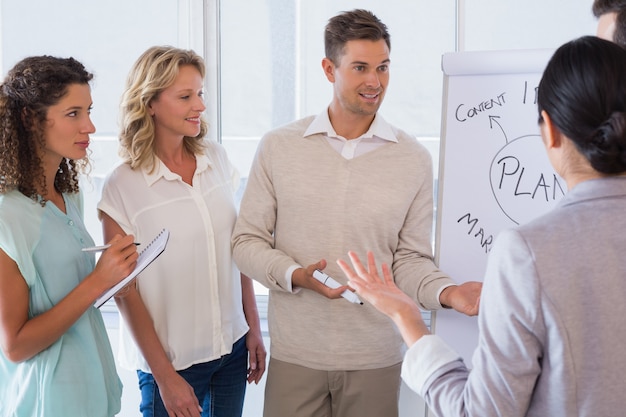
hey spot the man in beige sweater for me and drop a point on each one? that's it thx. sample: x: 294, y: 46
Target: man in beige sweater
x: 323, y: 185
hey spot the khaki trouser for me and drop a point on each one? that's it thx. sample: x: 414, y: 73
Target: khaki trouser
x: 297, y: 391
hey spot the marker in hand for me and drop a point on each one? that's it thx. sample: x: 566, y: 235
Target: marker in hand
x: 330, y: 282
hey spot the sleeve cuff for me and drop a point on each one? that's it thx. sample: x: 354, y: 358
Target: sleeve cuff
x: 440, y: 291
x: 429, y: 354
x: 288, y: 275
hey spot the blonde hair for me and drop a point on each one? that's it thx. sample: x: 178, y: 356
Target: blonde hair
x: 154, y: 71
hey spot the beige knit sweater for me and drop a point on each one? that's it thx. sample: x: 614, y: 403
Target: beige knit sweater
x: 304, y: 202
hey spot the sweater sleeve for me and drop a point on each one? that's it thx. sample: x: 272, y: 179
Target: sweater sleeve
x: 413, y: 267
x: 253, y: 236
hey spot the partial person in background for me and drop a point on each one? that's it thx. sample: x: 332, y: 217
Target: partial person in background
x: 611, y: 16
x: 551, y: 324
x: 345, y: 179
x: 191, y: 320
x: 55, y: 357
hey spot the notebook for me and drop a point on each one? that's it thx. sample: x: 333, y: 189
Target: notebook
x: 146, y: 256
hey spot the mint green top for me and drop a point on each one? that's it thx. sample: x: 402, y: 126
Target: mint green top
x: 76, y: 375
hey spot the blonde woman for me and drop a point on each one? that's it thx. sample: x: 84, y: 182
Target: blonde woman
x: 191, y: 319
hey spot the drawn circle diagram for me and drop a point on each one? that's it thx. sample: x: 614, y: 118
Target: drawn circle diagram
x: 523, y: 181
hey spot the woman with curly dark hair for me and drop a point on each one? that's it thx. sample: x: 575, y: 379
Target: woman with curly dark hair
x: 55, y: 356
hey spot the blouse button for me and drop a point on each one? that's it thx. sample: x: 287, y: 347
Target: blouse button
x: 71, y: 222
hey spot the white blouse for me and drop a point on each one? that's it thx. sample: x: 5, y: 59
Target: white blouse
x: 193, y: 289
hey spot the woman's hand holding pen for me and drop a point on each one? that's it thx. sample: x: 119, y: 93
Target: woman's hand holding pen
x: 116, y: 262
x: 303, y: 277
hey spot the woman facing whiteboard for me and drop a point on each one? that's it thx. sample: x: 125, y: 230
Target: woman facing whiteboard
x: 551, y: 326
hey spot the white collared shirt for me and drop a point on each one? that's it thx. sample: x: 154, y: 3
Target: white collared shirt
x: 379, y: 133
x: 193, y: 289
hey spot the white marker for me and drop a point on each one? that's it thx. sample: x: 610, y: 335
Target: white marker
x: 329, y: 282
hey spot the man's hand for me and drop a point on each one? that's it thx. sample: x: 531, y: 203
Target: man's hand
x: 303, y: 277
x: 464, y: 298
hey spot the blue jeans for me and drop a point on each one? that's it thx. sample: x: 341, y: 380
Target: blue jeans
x: 220, y: 385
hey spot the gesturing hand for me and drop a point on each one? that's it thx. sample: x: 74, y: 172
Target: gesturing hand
x: 385, y: 296
x: 381, y: 293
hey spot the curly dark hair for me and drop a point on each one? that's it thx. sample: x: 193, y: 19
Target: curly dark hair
x: 29, y: 89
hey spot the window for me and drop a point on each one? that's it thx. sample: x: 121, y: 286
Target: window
x: 107, y: 37
x: 502, y: 25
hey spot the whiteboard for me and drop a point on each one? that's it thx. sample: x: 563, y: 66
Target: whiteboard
x: 493, y: 170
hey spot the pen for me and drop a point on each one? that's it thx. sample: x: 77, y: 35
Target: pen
x: 101, y: 248
x: 330, y: 282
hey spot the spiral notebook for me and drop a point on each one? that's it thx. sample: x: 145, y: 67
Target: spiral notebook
x: 146, y: 256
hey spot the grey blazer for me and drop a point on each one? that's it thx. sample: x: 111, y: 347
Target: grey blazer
x: 552, y: 323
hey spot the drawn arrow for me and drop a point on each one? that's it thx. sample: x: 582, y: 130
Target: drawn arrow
x: 492, y: 120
